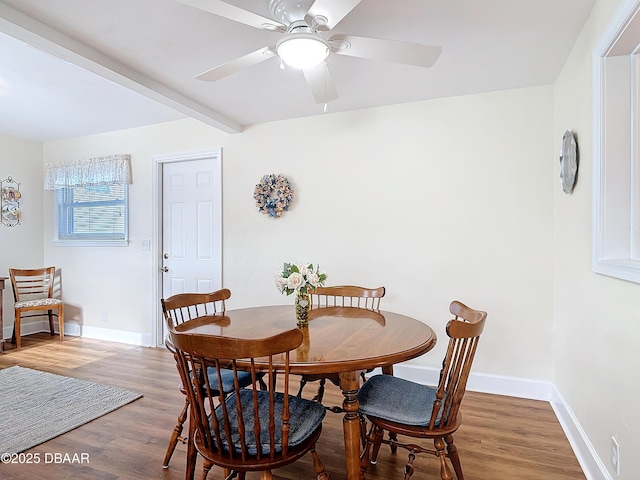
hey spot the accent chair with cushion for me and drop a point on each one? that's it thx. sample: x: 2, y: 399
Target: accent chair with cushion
x: 33, y: 292
x: 414, y: 410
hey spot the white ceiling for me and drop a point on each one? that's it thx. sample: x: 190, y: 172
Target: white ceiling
x: 70, y: 68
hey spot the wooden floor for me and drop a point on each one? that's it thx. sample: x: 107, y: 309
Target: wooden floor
x: 501, y: 437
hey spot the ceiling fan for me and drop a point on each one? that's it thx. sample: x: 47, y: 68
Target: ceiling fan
x: 302, y: 45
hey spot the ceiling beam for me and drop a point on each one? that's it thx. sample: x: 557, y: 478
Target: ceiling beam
x: 41, y: 36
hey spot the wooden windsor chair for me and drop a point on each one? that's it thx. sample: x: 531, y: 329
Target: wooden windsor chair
x: 246, y: 429
x: 406, y: 408
x: 181, y: 309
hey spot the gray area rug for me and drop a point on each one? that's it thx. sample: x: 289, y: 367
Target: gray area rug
x: 37, y: 406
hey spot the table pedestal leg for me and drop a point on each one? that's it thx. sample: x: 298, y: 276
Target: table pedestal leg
x: 349, y: 383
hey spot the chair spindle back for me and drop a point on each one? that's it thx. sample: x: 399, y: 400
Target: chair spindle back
x: 183, y: 307
x: 464, y: 333
x: 217, y: 413
x: 347, y: 296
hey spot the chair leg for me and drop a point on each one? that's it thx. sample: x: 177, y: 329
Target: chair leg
x: 303, y: 382
x: 393, y: 440
x: 318, y: 466
x: 175, y: 435
x: 61, y: 321
x: 206, y: 467
x: 192, y: 454
x: 16, y: 332
x: 408, y: 468
x: 375, y: 436
x: 50, y: 315
x: 367, y: 458
x: 320, y: 395
x: 454, y: 457
x: 445, y: 471
x: 266, y: 475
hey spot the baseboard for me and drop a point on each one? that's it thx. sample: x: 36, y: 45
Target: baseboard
x: 131, y: 338
x: 27, y: 328
x: 76, y: 330
x: 590, y: 462
x: 592, y: 465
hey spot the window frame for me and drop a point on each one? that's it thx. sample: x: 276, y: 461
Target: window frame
x: 616, y: 156
x: 89, y: 240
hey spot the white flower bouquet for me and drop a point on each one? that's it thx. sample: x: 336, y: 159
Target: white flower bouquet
x: 299, y: 278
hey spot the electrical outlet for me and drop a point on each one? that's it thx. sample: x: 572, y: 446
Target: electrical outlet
x: 615, y: 455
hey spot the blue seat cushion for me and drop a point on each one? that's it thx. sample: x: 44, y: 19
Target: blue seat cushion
x: 306, y: 417
x: 244, y: 379
x: 398, y: 400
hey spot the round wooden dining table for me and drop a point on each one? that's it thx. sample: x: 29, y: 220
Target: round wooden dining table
x: 342, y: 341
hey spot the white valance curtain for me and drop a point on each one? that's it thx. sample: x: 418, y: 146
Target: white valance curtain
x: 110, y: 170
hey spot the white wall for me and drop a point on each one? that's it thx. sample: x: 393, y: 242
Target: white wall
x: 452, y: 198
x: 596, y: 325
x: 435, y: 200
x: 21, y: 246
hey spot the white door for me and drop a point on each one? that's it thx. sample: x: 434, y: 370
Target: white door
x: 191, y: 226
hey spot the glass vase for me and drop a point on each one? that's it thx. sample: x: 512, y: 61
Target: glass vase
x: 302, y: 308
x: 302, y: 352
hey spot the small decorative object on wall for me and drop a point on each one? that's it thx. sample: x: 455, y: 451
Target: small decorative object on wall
x: 273, y: 195
x: 10, y: 196
x: 301, y: 279
x: 568, y: 161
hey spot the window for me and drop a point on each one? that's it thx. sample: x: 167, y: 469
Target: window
x: 91, y: 206
x: 616, y: 174
x: 92, y: 213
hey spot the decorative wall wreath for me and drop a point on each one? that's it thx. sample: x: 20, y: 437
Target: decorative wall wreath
x: 273, y: 195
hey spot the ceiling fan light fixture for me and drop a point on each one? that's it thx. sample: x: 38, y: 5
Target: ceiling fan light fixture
x: 302, y: 50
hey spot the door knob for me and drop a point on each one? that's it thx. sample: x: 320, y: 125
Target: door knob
x: 166, y: 256
x: 165, y: 269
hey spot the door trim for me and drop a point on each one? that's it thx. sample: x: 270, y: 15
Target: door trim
x: 215, y: 155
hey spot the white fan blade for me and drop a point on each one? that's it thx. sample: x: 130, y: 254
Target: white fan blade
x: 394, y: 51
x: 333, y: 10
x: 234, y: 13
x: 320, y: 83
x: 239, y: 63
